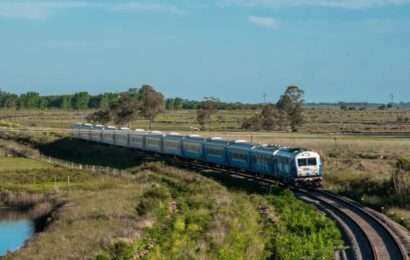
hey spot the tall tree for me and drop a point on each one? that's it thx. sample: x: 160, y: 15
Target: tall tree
x: 291, y: 104
x: 80, y: 100
x: 65, y: 102
x: 29, y: 100
x: 178, y: 103
x: 170, y: 104
x: 126, y: 109
x: 152, y: 103
x: 266, y: 120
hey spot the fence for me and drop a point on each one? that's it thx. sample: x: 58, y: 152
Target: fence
x: 87, y: 167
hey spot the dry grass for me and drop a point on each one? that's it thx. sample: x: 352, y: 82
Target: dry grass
x: 319, y: 120
x: 89, y: 221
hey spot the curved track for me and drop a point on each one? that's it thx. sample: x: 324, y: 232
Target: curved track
x: 367, y: 236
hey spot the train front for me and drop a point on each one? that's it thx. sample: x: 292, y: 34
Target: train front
x: 309, y: 169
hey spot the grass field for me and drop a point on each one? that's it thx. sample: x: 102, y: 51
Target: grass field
x: 158, y: 211
x: 358, y: 165
x: 20, y: 164
x: 357, y: 146
x: 317, y: 120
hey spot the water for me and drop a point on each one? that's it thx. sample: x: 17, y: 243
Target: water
x: 15, y: 229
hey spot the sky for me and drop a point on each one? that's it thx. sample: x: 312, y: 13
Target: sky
x: 236, y: 50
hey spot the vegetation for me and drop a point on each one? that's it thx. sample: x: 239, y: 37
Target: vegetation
x: 206, y: 110
x: 158, y: 211
x: 288, y: 112
x: 145, y: 102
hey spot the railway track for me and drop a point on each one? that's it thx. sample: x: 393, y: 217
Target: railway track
x: 367, y: 236
x: 365, y: 233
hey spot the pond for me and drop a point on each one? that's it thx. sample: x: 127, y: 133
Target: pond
x: 15, y: 229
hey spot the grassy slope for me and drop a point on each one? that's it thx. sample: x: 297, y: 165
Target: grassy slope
x: 163, y: 212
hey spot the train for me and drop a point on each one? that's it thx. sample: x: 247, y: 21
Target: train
x: 295, y: 166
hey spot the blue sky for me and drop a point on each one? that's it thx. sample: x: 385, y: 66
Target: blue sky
x: 336, y: 50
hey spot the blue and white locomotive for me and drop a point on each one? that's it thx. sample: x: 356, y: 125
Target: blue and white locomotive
x: 289, y: 165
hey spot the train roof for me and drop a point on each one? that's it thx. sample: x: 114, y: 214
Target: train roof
x: 217, y: 140
x: 156, y: 133
x: 194, y: 136
x: 174, y: 134
x: 242, y: 144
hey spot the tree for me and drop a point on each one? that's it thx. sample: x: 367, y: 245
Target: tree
x: 290, y: 105
x: 266, y: 120
x: 178, y: 103
x: 152, y: 103
x: 268, y: 117
x: 43, y: 103
x: 8, y: 100
x: 29, y: 100
x: 170, y: 104
x: 100, y: 117
x: 65, y: 102
x: 206, y: 109
x: 125, y: 109
x: 80, y: 100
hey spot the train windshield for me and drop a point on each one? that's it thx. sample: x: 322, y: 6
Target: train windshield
x: 307, y: 162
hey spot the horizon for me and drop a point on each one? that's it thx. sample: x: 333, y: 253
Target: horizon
x: 235, y: 50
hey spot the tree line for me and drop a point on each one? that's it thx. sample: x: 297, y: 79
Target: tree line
x: 77, y: 101
x: 146, y: 102
x: 84, y: 100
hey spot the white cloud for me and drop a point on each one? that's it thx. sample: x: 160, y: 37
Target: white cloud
x: 267, y: 22
x: 146, y: 7
x: 41, y: 10
x: 348, y: 4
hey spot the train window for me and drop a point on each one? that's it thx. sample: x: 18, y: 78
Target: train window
x: 215, y: 151
x: 172, y: 145
x: 239, y: 156
x: 153, y: 142
x: 302, y: 162
x: 312, y: 161
x: 192, y: 147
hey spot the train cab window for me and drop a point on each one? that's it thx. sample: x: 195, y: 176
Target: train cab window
x: 307, y: 162
x: 302, y: 162
x: 312, y: 161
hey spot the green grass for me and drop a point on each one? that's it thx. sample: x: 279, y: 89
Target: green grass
x: 210, y: 223
x: 197, y: 218
x: 18, y: 164
x: 166, y: 213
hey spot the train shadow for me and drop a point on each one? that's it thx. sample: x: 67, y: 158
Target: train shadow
x: 89, y: 153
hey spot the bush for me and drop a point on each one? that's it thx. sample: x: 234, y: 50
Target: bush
x: 404, y: 164
x: 122, y: 251
x: 153, y: 200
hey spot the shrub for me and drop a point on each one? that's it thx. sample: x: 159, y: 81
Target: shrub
x: 154, y: 199
x: 122, y: 251
x: 404, y: 164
